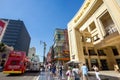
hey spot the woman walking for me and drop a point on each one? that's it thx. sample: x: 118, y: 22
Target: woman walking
x: 69, y: 74
x: 96, y: 72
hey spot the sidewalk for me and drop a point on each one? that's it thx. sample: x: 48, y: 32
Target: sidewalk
x: 48, y: 76
x: 105, y: 75
x: 110, y: 75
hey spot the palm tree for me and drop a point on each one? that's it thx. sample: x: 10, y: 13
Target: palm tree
x: 2, y: 49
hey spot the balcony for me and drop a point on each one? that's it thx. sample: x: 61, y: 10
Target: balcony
x: 108, y: 36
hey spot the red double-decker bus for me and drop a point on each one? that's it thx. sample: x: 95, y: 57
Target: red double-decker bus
x: 16, y: 63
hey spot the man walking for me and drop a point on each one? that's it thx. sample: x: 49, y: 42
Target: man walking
x: 84, y: 70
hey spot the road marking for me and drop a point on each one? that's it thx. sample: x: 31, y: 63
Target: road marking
x: 37, y: 78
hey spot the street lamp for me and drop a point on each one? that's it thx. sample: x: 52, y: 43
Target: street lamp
x: 44, y: 44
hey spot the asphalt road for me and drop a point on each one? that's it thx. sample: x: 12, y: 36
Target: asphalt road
x: 26, y: 76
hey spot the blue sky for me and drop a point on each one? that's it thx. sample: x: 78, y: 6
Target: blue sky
x: 41, y: 17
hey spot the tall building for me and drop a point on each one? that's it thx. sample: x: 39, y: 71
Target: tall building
x: 61, y: 47
x: 94, y: 34
x: 16, y: 35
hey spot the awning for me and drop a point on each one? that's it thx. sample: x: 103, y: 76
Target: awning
x: 73, y: 62
x: 62, y: 59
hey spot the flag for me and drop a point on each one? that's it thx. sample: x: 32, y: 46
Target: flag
x: 2, y: 25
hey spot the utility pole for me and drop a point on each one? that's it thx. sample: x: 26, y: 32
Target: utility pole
x: 44, y: 45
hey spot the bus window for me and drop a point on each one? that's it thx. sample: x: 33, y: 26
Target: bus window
x: 14, y: 62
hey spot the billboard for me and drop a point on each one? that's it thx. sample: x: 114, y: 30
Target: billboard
x: 2, y: 25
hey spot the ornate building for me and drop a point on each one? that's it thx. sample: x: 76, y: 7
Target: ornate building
x: 94, y: 34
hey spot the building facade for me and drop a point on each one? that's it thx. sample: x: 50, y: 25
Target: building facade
x: 61, y: 47
x: 16, y: 35
x: 94, y: 34
x: 32, y: 52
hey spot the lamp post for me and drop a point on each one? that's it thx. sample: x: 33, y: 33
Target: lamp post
x: 44, y: 45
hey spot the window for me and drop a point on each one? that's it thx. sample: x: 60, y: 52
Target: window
x: 92, y: 26
x: 108, y: 24
x: 58, y: 37
x: 14, y: 62
x: 101, y: 53
x: 92, y: 52
x: 88, y: 39
x: 115, y: 52
x: 95, y: 38
x: 94, y: 62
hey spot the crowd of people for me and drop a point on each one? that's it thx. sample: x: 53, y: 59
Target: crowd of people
x: 77, y: 73
x: 81, y: 73
x: 56, y: 71
x: 73, y: 72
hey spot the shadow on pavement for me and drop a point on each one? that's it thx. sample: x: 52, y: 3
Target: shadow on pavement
x: 27, y: 73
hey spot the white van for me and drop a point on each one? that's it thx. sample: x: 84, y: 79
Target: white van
x: 35, y: 64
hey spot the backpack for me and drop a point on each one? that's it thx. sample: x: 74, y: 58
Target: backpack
x: 76, y: 74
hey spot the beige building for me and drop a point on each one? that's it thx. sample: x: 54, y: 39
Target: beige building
x: 94, y: 34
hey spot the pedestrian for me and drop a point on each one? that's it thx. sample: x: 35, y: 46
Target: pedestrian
x: 75, y: 71
x: 57, y: 72
x: 116, y: 68
x: 54, y: 70
x: 60, y: 70
x: 84, y: 70
x: 69, y: 74
x: 96, y: 72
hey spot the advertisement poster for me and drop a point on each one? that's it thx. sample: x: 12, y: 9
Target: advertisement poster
x: 2, y: 25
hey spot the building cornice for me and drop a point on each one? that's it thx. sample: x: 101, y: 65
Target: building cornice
x: 88, y: 7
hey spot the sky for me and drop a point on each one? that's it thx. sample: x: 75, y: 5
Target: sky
x: 41, y: 18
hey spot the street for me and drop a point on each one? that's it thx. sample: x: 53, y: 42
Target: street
x: 25, y: 76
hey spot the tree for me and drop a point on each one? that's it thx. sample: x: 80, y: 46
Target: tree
x: 2, y: 47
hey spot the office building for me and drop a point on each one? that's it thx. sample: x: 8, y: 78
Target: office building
x: 16, y: 35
